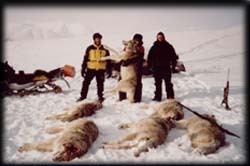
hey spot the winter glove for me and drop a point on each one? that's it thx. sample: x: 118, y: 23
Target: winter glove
x: 83, y: 72
x: 125, y: 63
x: 109, y: 75
x: 174, y: 69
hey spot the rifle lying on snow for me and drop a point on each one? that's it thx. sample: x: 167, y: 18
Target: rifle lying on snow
x: 199, y: 115
x: 226, y: 92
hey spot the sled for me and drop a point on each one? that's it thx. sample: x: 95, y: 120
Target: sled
x: 37, y: 82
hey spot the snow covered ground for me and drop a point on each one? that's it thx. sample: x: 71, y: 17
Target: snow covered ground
x: 207, y: 54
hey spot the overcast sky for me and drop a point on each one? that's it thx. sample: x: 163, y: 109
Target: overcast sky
x: 132, y: 18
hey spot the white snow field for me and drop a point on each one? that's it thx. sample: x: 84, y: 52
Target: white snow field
x: 206, y: 53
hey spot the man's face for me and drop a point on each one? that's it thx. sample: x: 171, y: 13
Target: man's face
x: 97, y: 41
x: 136, y: 41
x: 160, y: 38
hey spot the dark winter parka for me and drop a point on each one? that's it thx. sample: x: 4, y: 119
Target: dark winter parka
x: 161, y: 56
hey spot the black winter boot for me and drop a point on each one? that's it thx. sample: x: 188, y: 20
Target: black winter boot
x: 122, y: 96
x: 138, y: 93
x: 80, y: 99
x: 156, y: 99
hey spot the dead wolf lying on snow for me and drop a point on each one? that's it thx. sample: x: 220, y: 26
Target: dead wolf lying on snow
x: 205, y: 136
x: 74, y: 142
x: 81, y: 109
x: 149, y: 132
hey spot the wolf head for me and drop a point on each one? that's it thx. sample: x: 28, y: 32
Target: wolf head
x: 211, y: 118
x: 170, y: 109
x: 90, y: 108
x: 130, y: 46
x: 76, y: 141
x: 66, y: 151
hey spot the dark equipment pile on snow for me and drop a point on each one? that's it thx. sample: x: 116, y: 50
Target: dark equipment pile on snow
x: 37, y: 82
x: 179, y: 67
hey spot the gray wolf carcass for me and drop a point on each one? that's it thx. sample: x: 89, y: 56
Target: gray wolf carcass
x: 81, y: 109
x: 149, y: 132
x: 205, y: 136
x: 74, y: 141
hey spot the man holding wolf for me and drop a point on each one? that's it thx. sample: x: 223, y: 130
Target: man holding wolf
x: 138, y: 60
x: 161, y: 59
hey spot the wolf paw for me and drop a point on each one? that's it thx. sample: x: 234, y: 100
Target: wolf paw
x: 123, y: 126
x: 136, y: 154
x: 24, y: 147
x: 49, y: 118
x: 102, y: 147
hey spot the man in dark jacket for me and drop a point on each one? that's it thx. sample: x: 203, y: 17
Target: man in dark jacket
x: 160, y: 58
x: 137, y: 38
x: 92, y: 66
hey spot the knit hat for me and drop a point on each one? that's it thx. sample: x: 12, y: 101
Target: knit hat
x: 97, y: 35
x: 138, y: 37
x: 162, y: 34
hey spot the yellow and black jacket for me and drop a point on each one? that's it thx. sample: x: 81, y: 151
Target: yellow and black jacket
x: 92, y: 58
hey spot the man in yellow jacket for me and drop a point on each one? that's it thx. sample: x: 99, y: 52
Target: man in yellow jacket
x: 92, y: 66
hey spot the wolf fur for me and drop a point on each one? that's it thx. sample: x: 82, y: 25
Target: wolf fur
x: 81, y: 109
x: 74, y: 141
x: 205, y: 136
x: 169, y: 108
x: 148, y: 132
x: 128, y: 73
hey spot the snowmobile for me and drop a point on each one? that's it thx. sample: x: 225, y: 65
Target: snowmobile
x: 37, y: 82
